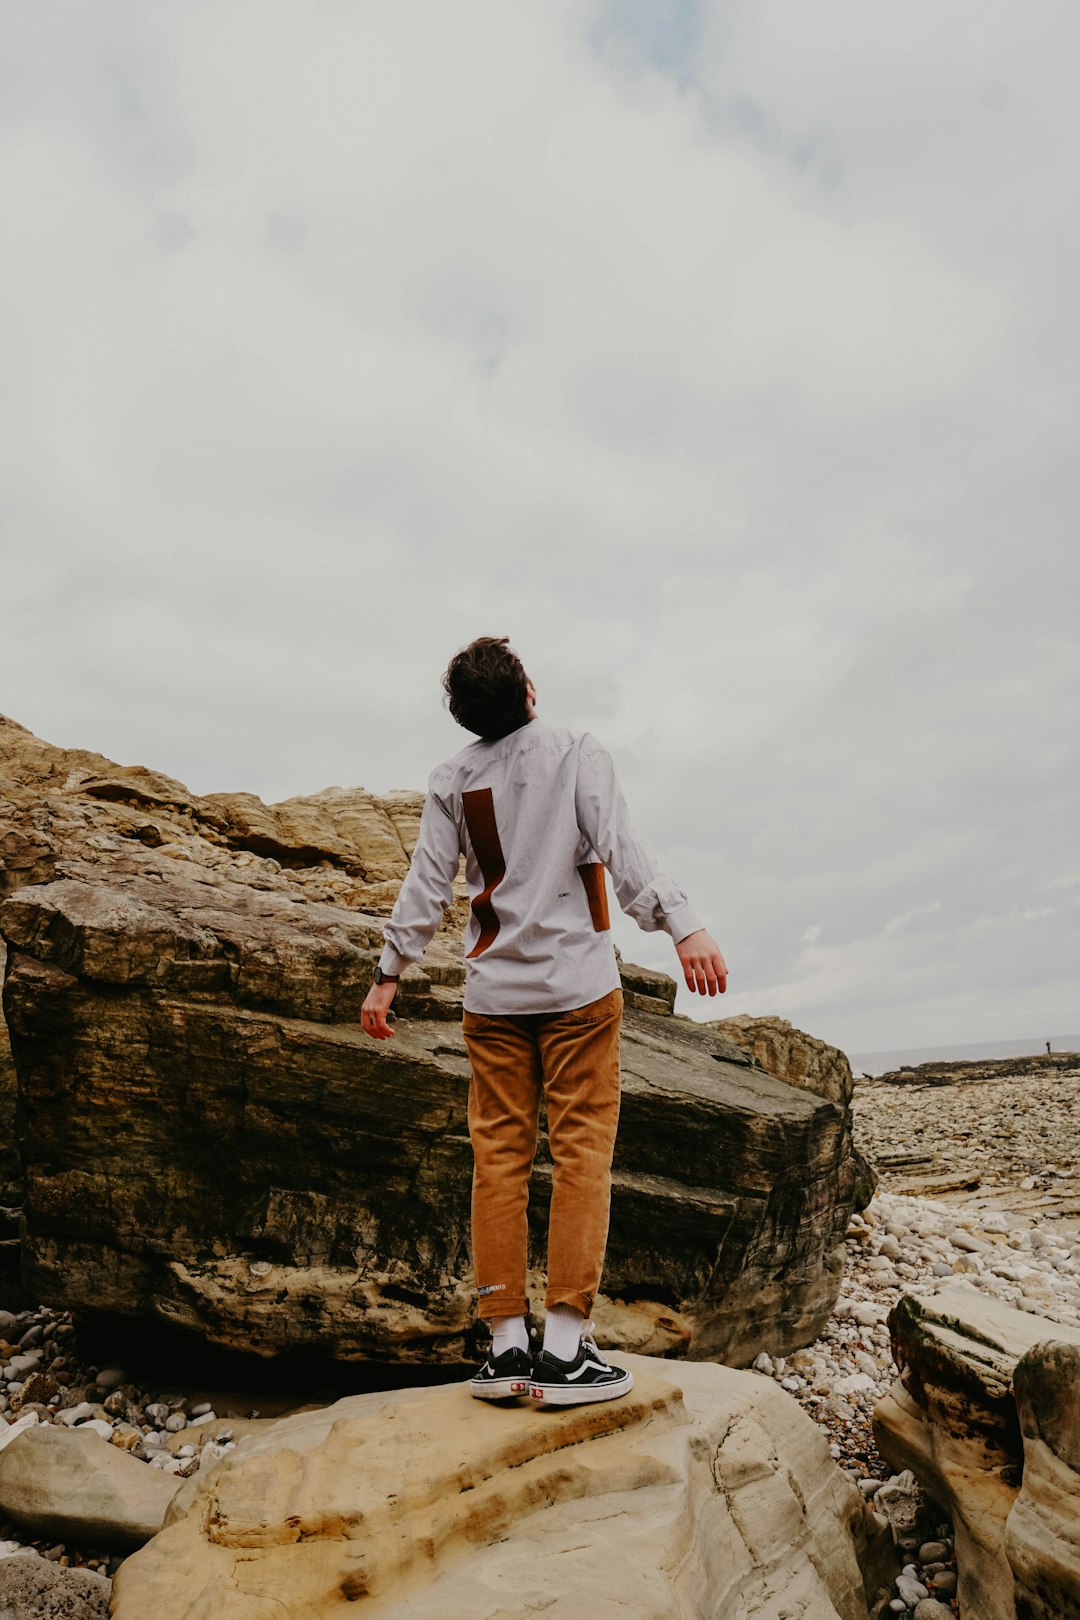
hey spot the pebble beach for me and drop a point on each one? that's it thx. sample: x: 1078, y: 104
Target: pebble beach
x: 976, y: 1181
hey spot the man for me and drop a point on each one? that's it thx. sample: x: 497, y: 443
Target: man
x: 538, y: 814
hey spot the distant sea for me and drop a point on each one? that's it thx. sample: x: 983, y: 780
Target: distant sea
x: 882, y: 1062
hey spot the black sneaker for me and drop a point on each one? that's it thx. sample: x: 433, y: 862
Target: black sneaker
x: 502, y: 1376
x: 587, y: 1378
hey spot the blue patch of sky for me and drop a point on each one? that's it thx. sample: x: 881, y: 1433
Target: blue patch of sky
x: 662, y: 34
x: 667, y: 37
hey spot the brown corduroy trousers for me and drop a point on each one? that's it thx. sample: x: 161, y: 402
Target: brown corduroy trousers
x: 572, y: 1058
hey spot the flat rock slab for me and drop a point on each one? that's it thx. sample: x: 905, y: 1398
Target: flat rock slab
x: 72, y: 1484
x: 958, y: 1348
x: 705, y: 1492
x: 936, y: 1185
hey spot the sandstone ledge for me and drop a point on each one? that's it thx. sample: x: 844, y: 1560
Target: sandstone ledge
x: 705, y: 1493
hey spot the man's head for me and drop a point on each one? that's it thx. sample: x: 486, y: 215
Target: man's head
x: 488, y: 689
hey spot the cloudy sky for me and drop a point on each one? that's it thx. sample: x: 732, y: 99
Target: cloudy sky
x: 723, y: 355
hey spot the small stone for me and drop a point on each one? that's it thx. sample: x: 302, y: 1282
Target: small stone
x: 910, y: 1589
x: 202, y: 1409
x: 99, y: 1426
x: 110, y: 1377
x: 930, y: 1609
x: 931, y: 1551
x: 76, y: 1414
x: 212, y: 1453
x: 38, y: 1387
x: 175, y: 1422
x: 968, y: 1242
x: 944, y: 1583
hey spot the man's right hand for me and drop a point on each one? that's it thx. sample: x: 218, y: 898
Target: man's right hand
x: 702, y: 964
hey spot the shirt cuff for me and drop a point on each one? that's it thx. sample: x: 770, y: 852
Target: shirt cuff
x: 682, y: 922
x: 393, y: 962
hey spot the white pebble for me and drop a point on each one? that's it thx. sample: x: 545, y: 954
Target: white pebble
x: 99, y: 1426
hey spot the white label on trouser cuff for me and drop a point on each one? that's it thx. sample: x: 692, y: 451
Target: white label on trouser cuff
x: 492, y: 1288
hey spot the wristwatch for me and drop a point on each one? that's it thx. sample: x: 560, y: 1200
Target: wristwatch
x: 384, y: 978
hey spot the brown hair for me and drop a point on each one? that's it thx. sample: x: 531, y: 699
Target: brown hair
x: 485, y: 685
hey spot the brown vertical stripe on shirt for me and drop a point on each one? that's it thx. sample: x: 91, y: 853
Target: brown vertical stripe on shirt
x: 592, y: 875
x: 479, y: 808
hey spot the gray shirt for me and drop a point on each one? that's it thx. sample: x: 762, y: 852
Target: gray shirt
x: 537, y: 815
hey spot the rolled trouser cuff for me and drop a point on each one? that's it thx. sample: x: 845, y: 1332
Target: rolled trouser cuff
x: 569, y: 1296
x: 493, y: 1310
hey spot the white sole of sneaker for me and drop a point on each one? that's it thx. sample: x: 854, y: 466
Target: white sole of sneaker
x: 575, y: 1395
x: 499, y: 1389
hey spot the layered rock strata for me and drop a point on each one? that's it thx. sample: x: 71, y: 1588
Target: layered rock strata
x: 703, y: 1493
x: 802, y: 1060
x: 209, y: 1141
x: 951, y: 1418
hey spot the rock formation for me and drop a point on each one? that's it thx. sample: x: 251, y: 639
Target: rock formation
x: 970, y: 1071
x: 1042, y: 1532
x: 812, y: 1065
x: 704, y: 1493
x: 800, y: 1060
x: 952, y: 1419
x: 210, y: 1142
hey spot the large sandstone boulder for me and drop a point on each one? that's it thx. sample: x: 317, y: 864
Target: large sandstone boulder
x: 211, y: 1143
x: 951, y: 1418
x: 704, y: 1493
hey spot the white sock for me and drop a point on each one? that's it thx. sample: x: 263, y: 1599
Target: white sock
x: 562, y: 1331
x: 508, y: 1333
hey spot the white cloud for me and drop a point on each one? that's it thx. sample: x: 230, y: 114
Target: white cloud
x: 737, y: 394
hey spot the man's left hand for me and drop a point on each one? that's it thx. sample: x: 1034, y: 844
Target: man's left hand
x: 703, y: 967
x: 373, y: 1012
